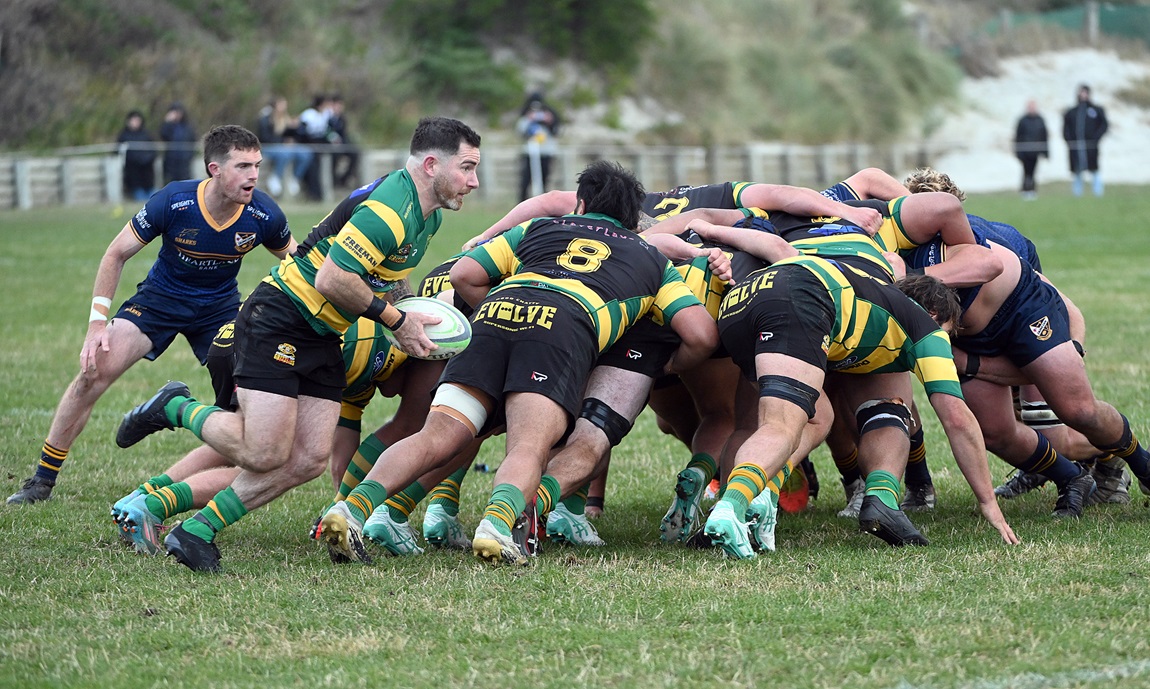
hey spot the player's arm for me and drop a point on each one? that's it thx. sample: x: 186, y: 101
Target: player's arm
x: 674, y: 248
x: 125, y: 245
x: 281, y: 254
x: 993, y: 369
x: 803, y: 201
x: 966, y: 443
x: 470, y: 280
x: 966, y: 265
x: 547, y: 205
x: 769, y: 247
x: 349, y: 292
x: 873, y: 183
x: 927, y: 214
x: 699, y: 337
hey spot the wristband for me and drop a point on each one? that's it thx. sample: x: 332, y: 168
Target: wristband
x: 972, y: 363
x: 915, y: 271
x: 1078, y: 348
x: 96, y: 314
x: 398, y: 322
x: 375, y: 309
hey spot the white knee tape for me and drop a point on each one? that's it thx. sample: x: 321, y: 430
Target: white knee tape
x: 460, y: 400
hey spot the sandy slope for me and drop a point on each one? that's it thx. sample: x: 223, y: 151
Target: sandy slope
x: 985, y: 121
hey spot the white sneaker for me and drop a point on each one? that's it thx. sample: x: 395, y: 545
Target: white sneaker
x: 729, y: 531
x: 564, y: 526
x: 855, y: 491
x: 340, y: 531
x: 762, y: 517
x: 490, y: 545
x: 275, y: 186
x: 396, y: 537
x: 443, y: 530
x: 293, y: 186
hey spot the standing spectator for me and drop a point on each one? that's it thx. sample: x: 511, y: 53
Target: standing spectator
x: 345, y: 163
x: 1030, y: 142
x: 1082, y: 127
x: 279, y: 134
x: 314, y: 127
x: 139, y: 161
x: 181, y: 138
x: 538, y: 124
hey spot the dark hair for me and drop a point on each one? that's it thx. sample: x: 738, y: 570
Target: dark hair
x: 221, y: 140
x: 134, y: 113
x: 932, y: 295
x: 442, y: 134
x: 607, y: 187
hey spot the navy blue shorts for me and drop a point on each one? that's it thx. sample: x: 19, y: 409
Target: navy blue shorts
x: 162, y: 316
x: 1031, y: 322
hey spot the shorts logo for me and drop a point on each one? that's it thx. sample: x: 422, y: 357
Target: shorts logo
x: 245, y: 241
x: 538, y: 377
x: 764, y: 336
x: 1041, y: 329
x: 134, y: 310
x: 826, y: 344
x: 632, y: 354
x: 285, y: 354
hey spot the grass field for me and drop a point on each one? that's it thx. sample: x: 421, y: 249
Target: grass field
x: 830, y: 608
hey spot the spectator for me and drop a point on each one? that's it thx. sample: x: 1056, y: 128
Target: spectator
x: 345, y: 163
x: 139, y: 161
x: 1082, y: 127
x: 538, y: 124
x: 181, y: 138
x: 1030, y: 142
x: 314, y: 127
x: 279, y: 133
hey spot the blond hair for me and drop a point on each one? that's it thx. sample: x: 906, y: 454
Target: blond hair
x: 929, y: 179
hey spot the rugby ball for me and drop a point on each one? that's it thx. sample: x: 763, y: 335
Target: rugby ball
x: 452, y: 333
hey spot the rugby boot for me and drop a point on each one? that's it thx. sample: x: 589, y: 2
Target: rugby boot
x: 1112, y: 481
x: 564, y: 526
x: 1020, y: 483
x: 684, y: 510
x: 890, y: 525
x: 855, y: 490
x: 808, y: 468
x: 729, y: 531
x: 762, y: 517
x: 1073, y: 496
x: 443, y: 530
x: 396, y: 537
x: 149, y: 417
x: 192, y: 551
x: 141, y: 526
x: 919, y: 498
x: 490, y: 545
x: 528, y: 532
x: 35, y: 489
x: 342, y: 533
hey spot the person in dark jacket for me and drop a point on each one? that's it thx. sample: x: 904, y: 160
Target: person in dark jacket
x: 1082, y: 127
x: 1030, y: 142
x: 139, y: 170
x: 181, y: 138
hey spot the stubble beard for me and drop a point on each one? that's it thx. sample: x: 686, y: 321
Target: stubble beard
x: 443, y: 195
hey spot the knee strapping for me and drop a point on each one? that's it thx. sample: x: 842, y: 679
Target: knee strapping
x: 883, y: 413
x: 1039, y: 415
x: 791, y: 390
x: 606, y: 419
x: 460, y: 405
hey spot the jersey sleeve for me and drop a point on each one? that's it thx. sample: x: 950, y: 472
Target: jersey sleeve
x: 278, y: 235
x: 841, y: 192
x: 934, y: 365
x: 151, y: 221
x: 374, y: 232
x: 498, y: 255
x: 673, y: 296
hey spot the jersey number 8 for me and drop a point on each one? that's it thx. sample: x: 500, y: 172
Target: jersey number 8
x: 584, y: 255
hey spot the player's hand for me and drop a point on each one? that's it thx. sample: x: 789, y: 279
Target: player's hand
x: 96, y: 340
x: 993, y: 514
x: 720, y: 264
x: 472, y: 243
x: 867, y: 218
x: 412, y: 339
x: 897, y: 263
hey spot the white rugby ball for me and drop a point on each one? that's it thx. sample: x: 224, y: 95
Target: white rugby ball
x: 452, y: 333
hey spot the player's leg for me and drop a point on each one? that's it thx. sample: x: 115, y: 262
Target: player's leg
x: 141, y: 518
x: 126, y: 345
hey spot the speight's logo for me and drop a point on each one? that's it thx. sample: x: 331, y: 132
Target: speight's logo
x: 245, y: 241
x: 1041, y: 329
x: 285, y: 354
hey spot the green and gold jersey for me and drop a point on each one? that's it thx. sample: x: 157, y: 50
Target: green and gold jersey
x: 891, y: 236
x: 877, y: 328
x: 831, y: 236
x: 610, y: 272
x: 369, y: 360
x: 378, y: 232
x: 665, y: 204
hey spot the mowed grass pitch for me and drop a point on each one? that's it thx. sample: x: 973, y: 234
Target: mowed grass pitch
x: 830, y: 608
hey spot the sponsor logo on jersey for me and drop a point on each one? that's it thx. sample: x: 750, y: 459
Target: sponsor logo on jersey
x: 764, y: 336
x: 433, y: 285
x: 402, y: 254
x: 142, y: 219
x: 245, y: 241
x: 259, y: 215
x: 538, y: 377
x: 181, y: 205
x: 285, y: 354
x: 1041, y: 329
x: 355, y: 249
x: 509, y: 315
x: 634, y: 354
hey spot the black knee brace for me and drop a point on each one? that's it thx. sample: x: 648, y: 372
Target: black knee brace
x: 606, y: 419
x: 791, y: 390
x: 883, y: 413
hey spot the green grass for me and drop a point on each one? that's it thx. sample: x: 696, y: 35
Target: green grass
x: 830, y: 608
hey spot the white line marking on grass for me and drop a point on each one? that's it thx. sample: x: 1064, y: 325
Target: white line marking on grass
x: 1034, y: 680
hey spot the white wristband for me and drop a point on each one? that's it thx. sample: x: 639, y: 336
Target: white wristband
x: 97, y: 315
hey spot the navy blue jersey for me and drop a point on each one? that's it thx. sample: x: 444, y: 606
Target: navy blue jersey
x: 199, y: 259
x: 1008, y: 236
